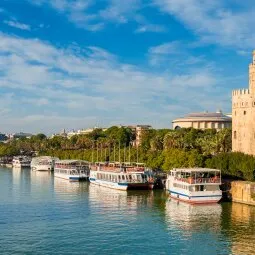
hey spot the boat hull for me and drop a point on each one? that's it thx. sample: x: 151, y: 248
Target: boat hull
x: 73, y: 178
x: 121, y: 185
x: 42, y: 168
x: 196, y: 199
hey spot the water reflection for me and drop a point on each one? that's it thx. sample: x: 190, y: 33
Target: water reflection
x: 242, y: 229
x: 40, y: 209
x: 110, y: 199
x: 64, y: 187
x: 193, y: 217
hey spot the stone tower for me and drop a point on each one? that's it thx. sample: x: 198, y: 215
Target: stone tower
x: 243, y: 115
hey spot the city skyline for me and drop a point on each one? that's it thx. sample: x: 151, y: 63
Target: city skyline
x: 77, y: 64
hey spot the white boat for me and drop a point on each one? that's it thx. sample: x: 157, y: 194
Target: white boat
x: 120, y: 176
x: 21, y: 161
x: 43, y: 163
x: 195, y: 185
x: 72, y: 170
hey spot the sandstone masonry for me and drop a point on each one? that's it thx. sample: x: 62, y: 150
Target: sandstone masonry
x: 243, y: 115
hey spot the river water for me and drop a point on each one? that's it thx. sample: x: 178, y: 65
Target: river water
x: 40, y: 214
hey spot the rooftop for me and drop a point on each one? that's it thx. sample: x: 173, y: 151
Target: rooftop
x: 189, y: 170
x: 206, y: 115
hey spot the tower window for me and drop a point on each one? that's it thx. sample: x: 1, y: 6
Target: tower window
x: 244, y: 112
x: 234, y: 134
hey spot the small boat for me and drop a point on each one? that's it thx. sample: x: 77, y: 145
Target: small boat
x: 195, y: 185
x: 43, y: 163
x: 72, y: 170
x: 21, y: 161
x: 120, y: 176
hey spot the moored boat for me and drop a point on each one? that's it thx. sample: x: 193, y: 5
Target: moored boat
x: 120, y: 176
x: 72, y: 170
x: 21, y: 161
x: 195, y: 185
x: 43, y: 163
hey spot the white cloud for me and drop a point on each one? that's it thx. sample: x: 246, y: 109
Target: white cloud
x: 120, y: 11
x: 79, y: 87
x: 214, y: 21
x: 151, y: 28
x: 18, y: 25
x: 82, y: 13
x: 176, y: 54
x: 166, y: 48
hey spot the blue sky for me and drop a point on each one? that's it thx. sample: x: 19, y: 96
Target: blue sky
x: 82, y: 63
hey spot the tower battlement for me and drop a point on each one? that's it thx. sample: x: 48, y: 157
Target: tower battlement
x: 239, y: 92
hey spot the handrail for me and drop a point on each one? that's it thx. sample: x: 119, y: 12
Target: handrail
x: 199, y: 180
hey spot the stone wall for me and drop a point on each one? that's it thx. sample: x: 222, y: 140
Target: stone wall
x: 243, y: 116
x: 243, y: 192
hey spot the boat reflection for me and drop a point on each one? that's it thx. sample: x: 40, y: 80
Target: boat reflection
x: 62, y: 187
x: 111, y: 199
x: 193, y: 217
x: 41, y: 178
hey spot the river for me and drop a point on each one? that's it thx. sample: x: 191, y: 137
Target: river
x: 40, y: 214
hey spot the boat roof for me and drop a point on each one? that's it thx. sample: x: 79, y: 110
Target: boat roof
x: 189, y: 170
x: 70, y: 161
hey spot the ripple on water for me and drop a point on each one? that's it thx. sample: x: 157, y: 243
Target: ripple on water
x: 40, y: 214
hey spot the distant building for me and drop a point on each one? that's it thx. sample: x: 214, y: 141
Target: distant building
x: 61, y: 134
x: 138, y: 131
x: 203, y: 120
x: 243, y: 110
x: 3, y: 137
x: 20, y: 135
x: 77, y: 132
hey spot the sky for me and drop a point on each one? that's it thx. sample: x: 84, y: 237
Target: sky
x: 77, y: 64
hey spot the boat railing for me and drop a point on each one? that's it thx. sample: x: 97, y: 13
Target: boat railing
x: 191, y: 180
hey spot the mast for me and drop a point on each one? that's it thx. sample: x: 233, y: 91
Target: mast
x: 101, y: 152
x: 97, y: 151
x: 114, y: 152
x: 93, y: 152
x: 137, y: 154
x: 124, y: 153
x: 119, y: 151
x: 129, y: 157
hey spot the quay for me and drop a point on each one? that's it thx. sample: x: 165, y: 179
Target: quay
x: 243, y: 192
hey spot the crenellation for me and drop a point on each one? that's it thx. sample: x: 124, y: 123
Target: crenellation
x: 240, y: 92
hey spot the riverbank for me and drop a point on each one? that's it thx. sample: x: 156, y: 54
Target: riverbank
x: 243, y: 192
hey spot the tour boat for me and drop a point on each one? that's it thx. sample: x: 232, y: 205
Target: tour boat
x: 72, y: 170
x: 21, y: 161
x: 120, y: 176
x: 195, y: 185
x: 43, y: 163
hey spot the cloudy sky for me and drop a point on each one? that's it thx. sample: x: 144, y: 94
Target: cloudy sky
x: 82, y: 63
